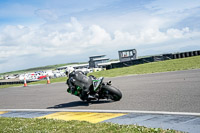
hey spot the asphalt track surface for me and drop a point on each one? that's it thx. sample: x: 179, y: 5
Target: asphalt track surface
x: 169, y: 91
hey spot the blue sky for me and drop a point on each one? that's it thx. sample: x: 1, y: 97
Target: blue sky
x: 46, y: 32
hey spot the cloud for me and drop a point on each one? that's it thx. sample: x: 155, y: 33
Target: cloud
x: 176, y: 33
x: 151, y: 29
x: 98, y: 36
x: 169, y: 6
x: 21, y: 40
x: 76, y: 38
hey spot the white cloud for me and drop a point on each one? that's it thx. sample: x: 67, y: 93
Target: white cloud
x: 76, y: 38
x: 176, y: 33
x: 98, y: 36
x: 172, y: 5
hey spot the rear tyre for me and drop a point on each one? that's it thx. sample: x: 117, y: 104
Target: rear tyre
x: 115, y: 93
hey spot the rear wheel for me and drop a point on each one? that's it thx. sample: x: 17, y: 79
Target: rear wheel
x: 115, y: 93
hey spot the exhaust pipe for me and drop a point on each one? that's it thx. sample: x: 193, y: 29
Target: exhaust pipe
x: 109, y: 82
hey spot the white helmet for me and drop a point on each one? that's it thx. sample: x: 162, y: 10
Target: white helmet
x: 69, y: 70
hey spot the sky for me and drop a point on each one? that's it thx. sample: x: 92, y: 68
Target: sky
x: 37, y: 33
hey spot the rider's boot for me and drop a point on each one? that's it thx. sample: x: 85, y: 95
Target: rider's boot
x: 90, y: 96
x: 95, y: 96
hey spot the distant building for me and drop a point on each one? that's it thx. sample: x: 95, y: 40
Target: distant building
x: 95, y: 60
x: 107, y: 65
x: 127, y: 55
x: 75, y: 66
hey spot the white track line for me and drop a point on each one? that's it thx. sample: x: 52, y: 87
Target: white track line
x: 107, y: 111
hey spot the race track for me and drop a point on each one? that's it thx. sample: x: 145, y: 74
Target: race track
x: 171, y: 91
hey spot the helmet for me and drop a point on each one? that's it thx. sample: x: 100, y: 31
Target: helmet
x: 69, y: 70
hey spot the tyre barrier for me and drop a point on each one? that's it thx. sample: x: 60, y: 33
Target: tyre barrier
x: 186, y: 54
x: 13, y: 82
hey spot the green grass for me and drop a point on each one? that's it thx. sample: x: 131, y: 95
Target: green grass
x: 154, y: 67
x: 25, y: 125
x: 7, y: 86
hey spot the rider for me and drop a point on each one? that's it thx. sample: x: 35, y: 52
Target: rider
x: 80, y: 79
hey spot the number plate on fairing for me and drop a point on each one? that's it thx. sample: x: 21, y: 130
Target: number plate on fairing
x: 97, y: 83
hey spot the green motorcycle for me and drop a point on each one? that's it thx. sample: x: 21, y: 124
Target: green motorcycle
x: 99, y: 90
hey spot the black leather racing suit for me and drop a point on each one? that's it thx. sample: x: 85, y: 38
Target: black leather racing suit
x: 80, y: 79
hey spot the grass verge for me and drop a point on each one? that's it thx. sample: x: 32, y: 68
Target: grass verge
x: 27, y: 125
x: 154, y: 67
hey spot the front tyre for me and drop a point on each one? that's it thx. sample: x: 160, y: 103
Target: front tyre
x: 115, y: 93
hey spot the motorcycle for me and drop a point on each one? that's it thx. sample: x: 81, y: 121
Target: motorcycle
x: 100, y: 90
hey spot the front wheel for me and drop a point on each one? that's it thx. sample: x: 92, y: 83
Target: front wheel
x: 115, y: 93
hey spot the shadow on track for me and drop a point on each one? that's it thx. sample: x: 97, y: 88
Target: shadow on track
x: 77, y: 103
